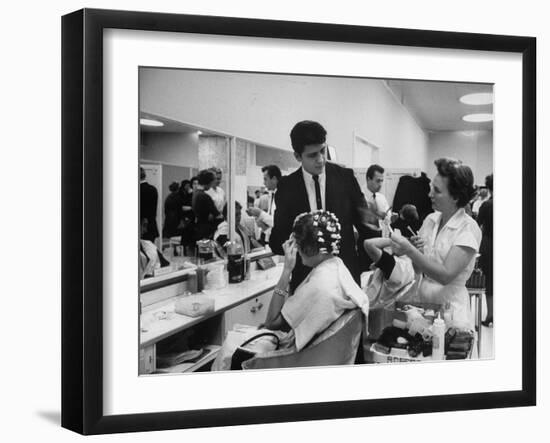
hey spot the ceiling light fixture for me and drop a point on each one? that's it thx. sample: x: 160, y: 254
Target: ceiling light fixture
x: 199, y: 132
x: 478, y: 118
x: 150, y: 122
x: 479, y: 98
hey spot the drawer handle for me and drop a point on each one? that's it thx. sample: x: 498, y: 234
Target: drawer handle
x: 260, y: 306
x: 253, y: 309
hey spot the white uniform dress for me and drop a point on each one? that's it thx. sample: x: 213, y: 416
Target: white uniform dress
x: 460, y: 230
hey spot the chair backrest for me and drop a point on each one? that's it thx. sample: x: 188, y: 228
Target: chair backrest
x: 336, y: 345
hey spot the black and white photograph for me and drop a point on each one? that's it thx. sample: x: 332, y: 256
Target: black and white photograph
x: 276, y: 221
x: 294, y: 221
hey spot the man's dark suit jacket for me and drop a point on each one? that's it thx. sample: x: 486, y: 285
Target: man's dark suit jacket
x: 148, y: 200
x: 343, y: 197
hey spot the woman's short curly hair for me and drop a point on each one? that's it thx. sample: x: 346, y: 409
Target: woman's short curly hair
x: 317, y: 231
x: 460, y: 179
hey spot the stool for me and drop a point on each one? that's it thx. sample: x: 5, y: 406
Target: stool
x: 477, y: 293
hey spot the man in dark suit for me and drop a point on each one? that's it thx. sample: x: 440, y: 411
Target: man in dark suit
x: 319, y: 185
x: 148, y: 200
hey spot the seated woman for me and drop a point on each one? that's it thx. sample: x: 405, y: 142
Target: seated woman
x: 445, y: 249
x: 244, y: 237
x: 150, y: 258
x: 393, y: 273
x: 327, y: 292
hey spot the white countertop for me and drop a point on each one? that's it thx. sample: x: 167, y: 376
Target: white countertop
x: 155, y: 329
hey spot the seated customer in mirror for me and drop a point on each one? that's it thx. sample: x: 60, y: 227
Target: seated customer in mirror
x: 323, y: 296
x: 207, y: 216
x: 150, y: 258
x: 244, y: 237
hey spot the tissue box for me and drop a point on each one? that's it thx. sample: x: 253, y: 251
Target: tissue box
x: 194, y: 305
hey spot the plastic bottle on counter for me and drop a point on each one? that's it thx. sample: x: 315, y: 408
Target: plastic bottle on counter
x: 235, y: 262
x: 438, y: 339
x: 448, y: 315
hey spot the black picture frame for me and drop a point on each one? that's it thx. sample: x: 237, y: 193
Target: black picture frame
x: 82, y: 231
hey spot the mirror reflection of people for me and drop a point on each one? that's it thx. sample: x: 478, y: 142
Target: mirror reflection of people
x: 148, y: 201
x: 257, y: 196
x: 173, y: 212
x: 215, y: 191
x: 150, y: 258
x: 317, y: 185
x: 187, y: 190
x: 328, y: 291
x: 264, y: 219
x: 207, y: 216
x: 243, y: 236
x: 449, y: 239
x: 186, y: 197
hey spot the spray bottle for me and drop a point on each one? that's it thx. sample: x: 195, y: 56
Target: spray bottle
x: 438, y: 339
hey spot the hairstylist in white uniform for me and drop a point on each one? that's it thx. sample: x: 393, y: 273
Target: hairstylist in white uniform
x: 448, y: 241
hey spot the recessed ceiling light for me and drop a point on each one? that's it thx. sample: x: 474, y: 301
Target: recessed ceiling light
x: 199, y: 132
x: 480, y: 98
x: 149, y: 122
x: 477, y: 118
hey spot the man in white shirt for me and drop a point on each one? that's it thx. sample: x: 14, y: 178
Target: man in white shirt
x: 376, y: 200
x: 264, y: 218
x: 215, y: 192
x: 482, y: 197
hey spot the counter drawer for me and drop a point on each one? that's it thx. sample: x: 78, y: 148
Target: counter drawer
x: 252, y: 312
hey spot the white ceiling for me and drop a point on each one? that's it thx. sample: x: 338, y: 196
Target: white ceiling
x: 169, y: 125
x: 435, y: 105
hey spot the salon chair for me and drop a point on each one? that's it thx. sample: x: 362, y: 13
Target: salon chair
x: 336, y: 345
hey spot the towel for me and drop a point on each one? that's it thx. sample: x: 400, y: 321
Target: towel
x: 382, y: 292
x: 327, y: 292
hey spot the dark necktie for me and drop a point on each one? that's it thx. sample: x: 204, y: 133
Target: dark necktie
x: 374, y: 202
x: 318, y: 193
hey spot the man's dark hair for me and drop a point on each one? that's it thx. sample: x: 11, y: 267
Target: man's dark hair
x: 206, y: 176
x: 372, y: 169
x: 174, y: 186
x: 272, y: 171
x: 460, y: 179
x: 306, y: 133
x: 185, y: 182
x: 193, y: 179
x: 409, y: 213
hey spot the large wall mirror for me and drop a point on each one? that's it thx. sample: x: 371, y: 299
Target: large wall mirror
x: 184, y: 186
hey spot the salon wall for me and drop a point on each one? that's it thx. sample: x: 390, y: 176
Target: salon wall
x: 263, y: 109
x: 474, y: 148
x: 170, y: 148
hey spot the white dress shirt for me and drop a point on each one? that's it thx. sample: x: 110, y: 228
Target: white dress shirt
x: 265, y: 219
x: 310, y: 188
x: 218, y: 196
x: 377, y: 202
